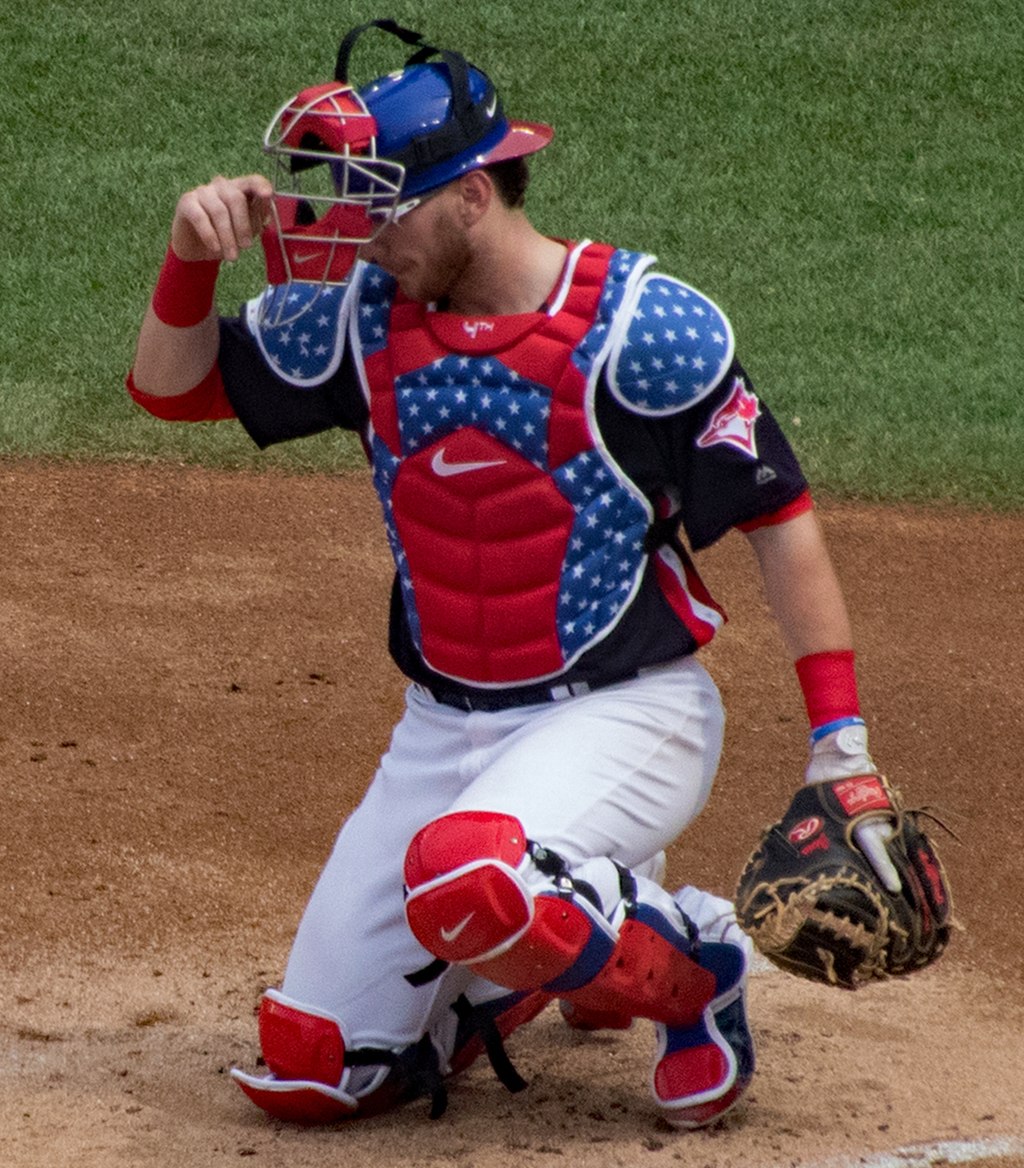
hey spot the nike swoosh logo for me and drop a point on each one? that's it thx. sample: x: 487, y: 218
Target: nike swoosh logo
x: 446, y: 469
x: 449, y: 935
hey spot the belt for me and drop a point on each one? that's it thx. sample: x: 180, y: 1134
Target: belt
x: 490, y: 700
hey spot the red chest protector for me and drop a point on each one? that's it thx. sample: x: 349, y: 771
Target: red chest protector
x: 518, y: 541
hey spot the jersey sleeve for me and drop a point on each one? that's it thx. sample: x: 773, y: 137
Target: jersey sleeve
x: 732, y: 463
x: 722, y: 463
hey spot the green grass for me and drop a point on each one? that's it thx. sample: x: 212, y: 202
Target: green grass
x: 844, y: 178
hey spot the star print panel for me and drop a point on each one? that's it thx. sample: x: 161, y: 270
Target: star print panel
x: 677, y: 348
x: 306, y: 349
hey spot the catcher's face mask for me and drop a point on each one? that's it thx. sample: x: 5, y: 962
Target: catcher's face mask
x: 331, y: 191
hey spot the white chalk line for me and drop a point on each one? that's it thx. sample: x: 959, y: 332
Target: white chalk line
x: 930, y: 1155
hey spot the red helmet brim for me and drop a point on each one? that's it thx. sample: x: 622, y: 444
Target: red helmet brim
x: 522, y: 138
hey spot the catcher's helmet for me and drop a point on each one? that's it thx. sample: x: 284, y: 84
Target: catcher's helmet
x: 442, y: 119
x: 375, y: 150
x: 438, y: 119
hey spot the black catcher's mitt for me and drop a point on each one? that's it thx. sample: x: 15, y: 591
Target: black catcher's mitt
x: 814, y: 904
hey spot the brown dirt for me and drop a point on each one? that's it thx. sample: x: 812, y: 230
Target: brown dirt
x: 195, y: 690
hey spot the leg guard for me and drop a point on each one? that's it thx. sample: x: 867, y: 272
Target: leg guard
x: 471, y: 878
x: 312, y: 1080
x: 652, y: 973
x: 469, y: 902
x: 702, y: 1070
x: 578, y: 1017
x: 305, y: 1052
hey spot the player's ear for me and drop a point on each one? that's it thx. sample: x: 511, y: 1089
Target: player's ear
x: 476, y: 194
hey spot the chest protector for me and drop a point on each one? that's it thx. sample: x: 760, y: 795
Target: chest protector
x: 518, y: 540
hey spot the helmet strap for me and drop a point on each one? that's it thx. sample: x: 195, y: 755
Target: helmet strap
x: 348, y: 42
x: 468, y: 119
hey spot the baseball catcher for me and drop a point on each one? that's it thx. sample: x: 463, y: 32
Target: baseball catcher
x: 554, y: 428
x: 846, y: 886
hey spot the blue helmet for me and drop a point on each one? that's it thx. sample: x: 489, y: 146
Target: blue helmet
x: 439, y: 119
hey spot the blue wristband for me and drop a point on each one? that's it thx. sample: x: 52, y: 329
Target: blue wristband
x: 819, y: 732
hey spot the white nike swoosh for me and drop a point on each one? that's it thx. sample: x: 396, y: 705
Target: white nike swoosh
x: 445, y: 469
x: 449, y: 935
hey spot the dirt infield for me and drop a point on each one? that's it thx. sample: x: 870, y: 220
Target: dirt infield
x: 194, y: 692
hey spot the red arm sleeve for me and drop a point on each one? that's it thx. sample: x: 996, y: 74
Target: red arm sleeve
x: 205, y: 402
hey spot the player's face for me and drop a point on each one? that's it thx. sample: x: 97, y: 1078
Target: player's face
x: 427, y: 250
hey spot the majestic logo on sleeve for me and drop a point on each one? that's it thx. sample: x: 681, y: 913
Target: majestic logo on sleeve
x: 733, y: 422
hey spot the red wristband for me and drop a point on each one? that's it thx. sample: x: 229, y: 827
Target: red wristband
x: 183, y: 295
x: 829, y: 684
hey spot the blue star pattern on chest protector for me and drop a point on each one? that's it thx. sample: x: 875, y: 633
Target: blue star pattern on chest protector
x: 306, y: 349
x: 376, y: 291
x: 481, y: 392
x: 623, y: 265
x: 606, y: 548
x: 677, y: 348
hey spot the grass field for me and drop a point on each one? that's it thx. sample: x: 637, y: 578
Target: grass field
x: 844, y: 178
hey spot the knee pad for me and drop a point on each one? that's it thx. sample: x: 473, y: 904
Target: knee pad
x: 465, y: 899
x: 468, y: 902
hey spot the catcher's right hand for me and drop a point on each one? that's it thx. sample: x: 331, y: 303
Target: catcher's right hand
x: 814, y: 902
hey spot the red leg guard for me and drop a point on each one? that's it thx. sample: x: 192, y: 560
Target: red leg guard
x: 557, y: 936
x: 647, y: 977
x: 460, y: 838
x: 305, y: 1105
x: 466, y: 899
x: 577, y: 1018
x: 468, y: 903
x: 299, y: 1045
x: 306, y: 1055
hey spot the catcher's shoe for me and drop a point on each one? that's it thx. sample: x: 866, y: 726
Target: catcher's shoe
x: 701, y: 1071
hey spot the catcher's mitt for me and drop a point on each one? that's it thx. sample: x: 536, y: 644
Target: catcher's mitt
x: 813, y: 903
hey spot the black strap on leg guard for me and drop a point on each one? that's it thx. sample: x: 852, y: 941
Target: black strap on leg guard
x: 479, y: 1020
x: 416, y: 1071
x: 429, y: 973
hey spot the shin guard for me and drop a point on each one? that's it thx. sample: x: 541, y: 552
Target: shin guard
x: 651, y: 973
x: 480, y: 894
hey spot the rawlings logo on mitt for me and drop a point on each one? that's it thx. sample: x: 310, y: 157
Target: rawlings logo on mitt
x: 814, y: 904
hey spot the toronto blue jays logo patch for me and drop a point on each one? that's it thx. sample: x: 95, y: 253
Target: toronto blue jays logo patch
x: 732, y: 424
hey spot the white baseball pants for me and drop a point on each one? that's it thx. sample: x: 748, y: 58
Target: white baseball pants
x: 616, y: 773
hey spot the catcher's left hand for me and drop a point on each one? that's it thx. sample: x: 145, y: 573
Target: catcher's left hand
x: 817, y: 905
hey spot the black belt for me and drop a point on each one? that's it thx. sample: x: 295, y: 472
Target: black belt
x: 491, y: 700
